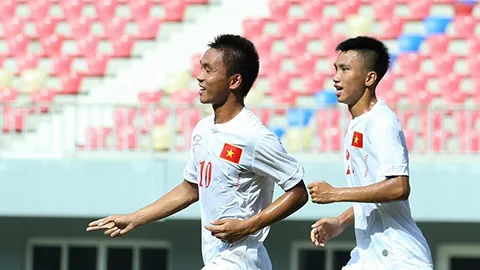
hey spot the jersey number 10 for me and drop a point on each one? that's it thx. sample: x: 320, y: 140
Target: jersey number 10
x: 205, y: 174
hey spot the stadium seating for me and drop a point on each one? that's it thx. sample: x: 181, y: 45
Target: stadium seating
x: 57, y: 49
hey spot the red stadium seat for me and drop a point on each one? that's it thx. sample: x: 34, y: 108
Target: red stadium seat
x: 331, y: 139
x: 17, y: 45
x: 38, y: 9
x: 45, y: 27
x: 184, y: 97
x: 52, y: 44
x: 28, y: 61
x: 279, y: 82
x: 473, y: 64
x: 196, y: 67
x: 313, y: 9
x: 264, y: 115
x: 440, y: 140
x: 122, y: 46
x: 153, y: 117
x: 408, y: 63
x: 444, y: 64
x: 284, y: 100
x: 149, y: 98
x: 253, y: 27
x: 72, y: 8
x: 383, y: 10
x: 187, y: 118
x: 8, y: 95
x: 305, y: 63
x: 463, y: 27
x: 14, y: 26
x: 140, y: 10
x: 88, y: 45
x: 330, y: 44
x: 419, y: 9
x: 326, y: 118
x: 321, y: 27
x: 105, y: 9
x: 14, y: 119
x: 314, y: 82
x: 127, y: 138
x: 148, y: 28
x: 410, y: 137
x: 419, y: 97
x: 41, y: 100
x: 473, y: 45
x: 97, y: 65
x: 264, y: 44
x: 463, y: 9
x: 391, y: 97
x: 7, y: 9
x: 437, y: 45
x: 175, y: 10
x: 348, y: 7
x: 114, y: 27
x: 392, y: 28
x: 457, y: 97
x: 289, y: 27
x: 61, y: 64
x: 279, y: 9
x: 417, y: 82
x: 80, y: 27
x: 96, y: 137
x: 123, y: 118
x: 271, y: 65
x: 297, y: 44
x: 70, y: 82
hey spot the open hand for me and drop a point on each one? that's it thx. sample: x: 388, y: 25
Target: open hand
x: 321, y: 192
x: 116, y: 225
x: 324, y: 230
x: 230, y: 230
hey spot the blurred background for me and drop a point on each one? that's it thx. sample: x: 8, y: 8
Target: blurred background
x: 98, y: 100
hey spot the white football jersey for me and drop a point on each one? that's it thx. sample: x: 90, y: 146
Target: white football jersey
x: 236, y: 165
x: 386, y: 234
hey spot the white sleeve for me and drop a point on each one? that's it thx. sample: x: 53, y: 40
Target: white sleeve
x: 389, y: 148
x: 270, y: 159
x: 190, y: 171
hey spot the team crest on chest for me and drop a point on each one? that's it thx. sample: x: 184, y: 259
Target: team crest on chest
x: 357, y: 139
x: 231, y: 153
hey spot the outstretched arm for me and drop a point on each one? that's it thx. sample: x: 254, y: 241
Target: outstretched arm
x: 394, y: 188
x: 177, y: 199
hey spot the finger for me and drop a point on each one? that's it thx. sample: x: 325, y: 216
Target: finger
x: 126, y: 230
x: 95, y: 223
x: 318, y: 223
x: 110, y: 231
x: 218, y: 222
x: 313, y: 234
x: 115, y: 233
x: 215, y: 229
x: 311, y: 185
x: 98, y: 227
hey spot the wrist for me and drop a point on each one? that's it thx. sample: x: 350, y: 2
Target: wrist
x: 137, y: 219
x: 253, y: 224
x: 338, y: 195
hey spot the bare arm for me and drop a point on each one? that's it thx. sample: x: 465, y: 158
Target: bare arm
x: 177, y: 199
x: 292, y: 200
x: 347, y: 218
x: 394, y: 188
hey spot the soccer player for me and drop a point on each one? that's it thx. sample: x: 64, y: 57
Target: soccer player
x: 234, y: 163
x: 376, y: 167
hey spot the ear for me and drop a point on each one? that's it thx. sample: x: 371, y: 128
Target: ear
x: 371, y: 79
x: 235, y: 81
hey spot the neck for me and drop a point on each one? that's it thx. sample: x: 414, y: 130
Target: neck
x: 228, y: 110
x: 364, y: 104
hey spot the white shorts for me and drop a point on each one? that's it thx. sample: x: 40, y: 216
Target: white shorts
x: 244, y: 257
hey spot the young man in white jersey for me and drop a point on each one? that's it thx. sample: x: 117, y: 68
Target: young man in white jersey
x: 234, y: 163
x: 376, y: 167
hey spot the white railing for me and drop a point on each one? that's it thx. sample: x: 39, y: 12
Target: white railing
x: 74, y: 128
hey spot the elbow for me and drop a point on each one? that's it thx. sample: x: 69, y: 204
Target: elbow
x: 402, y: 191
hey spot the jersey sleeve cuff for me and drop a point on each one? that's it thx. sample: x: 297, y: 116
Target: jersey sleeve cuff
x: 294, y: 179
x: 394, y: 169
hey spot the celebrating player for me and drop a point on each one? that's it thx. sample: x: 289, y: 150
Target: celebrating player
x: 234, y: 163
x: 376, y: 167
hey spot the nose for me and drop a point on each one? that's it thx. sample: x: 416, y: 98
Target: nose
x: 336, y: 78
x: 200, y: 77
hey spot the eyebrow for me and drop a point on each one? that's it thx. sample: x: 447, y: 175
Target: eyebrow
x: 341, y: 65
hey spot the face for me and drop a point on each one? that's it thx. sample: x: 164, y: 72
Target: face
x: 351, y: 79
x: 215, y: 85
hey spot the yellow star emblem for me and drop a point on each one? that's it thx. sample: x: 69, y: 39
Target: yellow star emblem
x: 230, y: 153
x: 356, y: 140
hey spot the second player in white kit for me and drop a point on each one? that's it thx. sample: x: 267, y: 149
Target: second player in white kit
x: 376, y: 167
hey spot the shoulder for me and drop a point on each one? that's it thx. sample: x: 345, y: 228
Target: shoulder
x: 384, y: 119
x: 254, y: 130
x: 203, y: 123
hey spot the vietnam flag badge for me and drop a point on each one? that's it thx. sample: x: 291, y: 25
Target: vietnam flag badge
x: 357, y: 140
x: 231, y: 153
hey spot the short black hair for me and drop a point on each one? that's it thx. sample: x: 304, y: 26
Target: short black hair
x: 239, y: 56
x: 373, y: 50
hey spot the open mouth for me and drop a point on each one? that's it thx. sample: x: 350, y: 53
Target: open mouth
x: 201, y: 90
x: 339, y: 90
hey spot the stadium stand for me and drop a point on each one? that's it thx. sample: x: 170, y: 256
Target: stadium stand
x: 64, y: 63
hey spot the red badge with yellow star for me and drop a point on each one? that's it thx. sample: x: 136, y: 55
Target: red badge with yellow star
x: 357, y: 140
x: 231, y: 153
